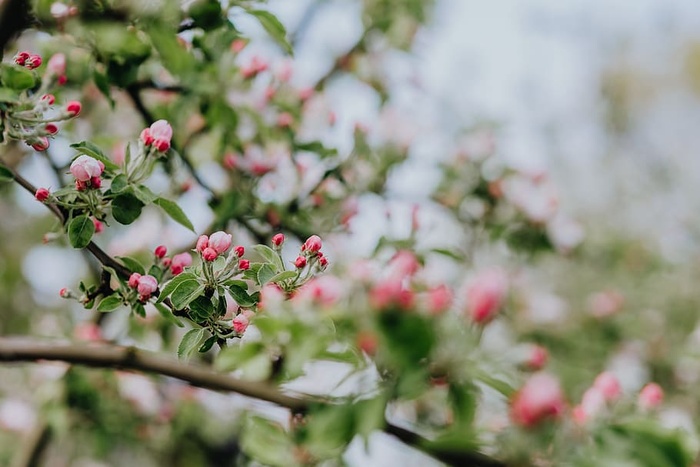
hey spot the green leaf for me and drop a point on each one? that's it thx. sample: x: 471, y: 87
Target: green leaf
x: 241, y: 297
x: 270, y: 256
x: 168, y: 315
x: 6, y: 174
x: 110, y: 303
x: 283, y: 276
x: 266, y: 272
x: 369, y: 415
x: 174, y: 283
x: 126, y: 208
x: 102, y: 83
x: 16, y: 77
x: 251, y: 360
x: 92, y: 150
x: 316, y: 147
x: 132, y: 264
x: 266, y: 442
x: 80, y: 231
x: 274, y: 28
x: 189, y: 343
x: 9, y: 96
x: 144, y: 194
x: 208, y: 344
x: 201, y: 308
x: 119, y: 184
x: 173, y: 55
x: 175, y: 212
x: 185, y: 293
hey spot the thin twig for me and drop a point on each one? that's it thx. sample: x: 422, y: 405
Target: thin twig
x: 129, y: 358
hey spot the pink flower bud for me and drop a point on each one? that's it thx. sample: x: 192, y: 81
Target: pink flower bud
x: 390, y: 292
x: 285, y: 120
x: 64, y: 293
x: 537, y: 358
x: 306, y: 94
x: 179, y: 263
x: 57, y: 65
x: 439, y: 299
x: 323, y: 261
x: 34, y: 61
x: 230, y: 161
x: 42, y: 144
x: 592, y: 402
x: 134, y: 280
x: 367, y: 342
x: 99, y: 226
x: 239, y: 251
x: 651, y: 396
x: 160, y: 251
x: 42, y: 194
x: 49, y: 98
x: 312, y: 244
x: 240, y: 323
x: 209, y: 254
x: 539, y: 399
x: 21, y: 58
x: 146, y: 137
x: 96, y: 182
x: 84, y: 168
x: 220, y: 241
x: 161, y: 145
x: 608, y: 384
x: 403, y: 264
x: 278, y: 240
x: 167, y: 262
x: 244, y: 265
x: 62, y: 80
x: 51, y: 128
x: 237, y: 45
x: 486, y: 295
x: 202, y: 243
x: 147, y: 285
x: 300, y: 262
x: 73, y: 108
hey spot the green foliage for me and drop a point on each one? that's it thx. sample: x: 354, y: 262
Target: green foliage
x: 80, y: 231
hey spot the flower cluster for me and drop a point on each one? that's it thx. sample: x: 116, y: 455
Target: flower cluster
x: 32, y: 117
x: 158, y: 136
x: 145, y: 285
x: 310, y: 253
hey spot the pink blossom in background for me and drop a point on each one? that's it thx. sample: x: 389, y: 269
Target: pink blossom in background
x: 486, y: 295
x: 540, y: 399
x: 651, y: 396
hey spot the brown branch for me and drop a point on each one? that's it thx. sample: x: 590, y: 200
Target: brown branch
x: 130, y: 358
x: 14, y: 17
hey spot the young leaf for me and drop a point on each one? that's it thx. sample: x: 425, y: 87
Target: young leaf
x: 174, y: 211
x: 274, y: 28
x: 8, y: 95
x: 80, y: 231
x: 90, y: 149
x: 110, y: 303
x: 167, y: 314
x: 102, y: 83
x: 190, y: 341
x: 207, y: 344
x: 174, y: 283
x: 132, y: 264
x: 119, y: 184
x: 283, y: 276
x: 266, y: 273
x: 144, y: 194
x: 16, y: 77
x: 241, y: 296
x: 126, y: 208
x: 270, y: 256
x: 185, y: 293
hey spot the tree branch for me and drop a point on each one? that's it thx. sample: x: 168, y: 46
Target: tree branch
x: 14, y: 17
x: 92, y: 247
x: 130, y: 358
